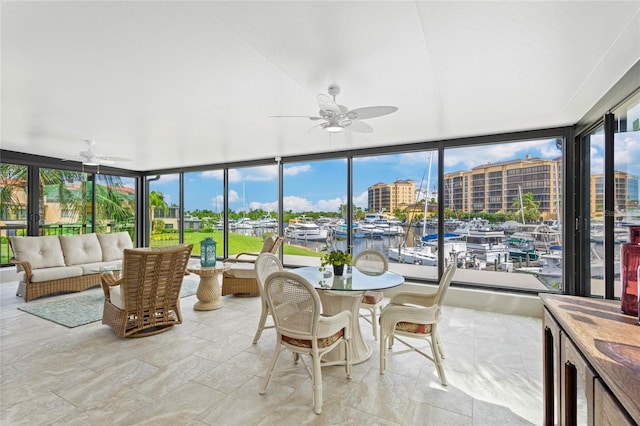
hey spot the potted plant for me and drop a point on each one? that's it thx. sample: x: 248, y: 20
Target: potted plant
x: 336, y: 258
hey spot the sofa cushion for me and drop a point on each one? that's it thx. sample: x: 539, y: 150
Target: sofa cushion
x: 113, y: 245
x: 79, y: 249
x: 56, y: 273
x: 99, y: 267
x: 41, y: 252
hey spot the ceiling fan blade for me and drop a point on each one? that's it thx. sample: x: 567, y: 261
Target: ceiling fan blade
x: 370, y: 112
x: 104, y: 161
x: 296, y: 116
x: 327, y: 104
x: 359, y: 126
x: 111, y: 159
x: 314, y: 127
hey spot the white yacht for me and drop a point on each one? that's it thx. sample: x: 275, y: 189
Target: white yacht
x: 305, y: 230
x: 427, y: 253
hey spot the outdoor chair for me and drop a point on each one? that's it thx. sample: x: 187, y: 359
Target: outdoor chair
x: 296, y: 310
x: 266, y: 264
x: 371, y: 261
x: 240, y: 279
x: 415, y: 315
x: 145, y: 300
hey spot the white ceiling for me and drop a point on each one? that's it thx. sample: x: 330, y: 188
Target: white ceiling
x: 176, y: 84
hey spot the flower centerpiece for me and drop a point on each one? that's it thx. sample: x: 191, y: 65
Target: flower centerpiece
x: 336, y: 258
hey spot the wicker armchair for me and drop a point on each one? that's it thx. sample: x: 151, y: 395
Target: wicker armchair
x: 415, y: 315
x: 145, y: 300
x: 296, y: 310
x: 371, y: 260
x: 240, y: 279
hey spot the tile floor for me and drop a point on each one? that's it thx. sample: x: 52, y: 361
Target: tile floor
x: 206, y: 371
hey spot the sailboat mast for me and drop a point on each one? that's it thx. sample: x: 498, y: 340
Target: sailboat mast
x: 426, y: 198
x: 521, y: 203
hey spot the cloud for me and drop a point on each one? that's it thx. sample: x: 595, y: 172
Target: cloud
x: 627, y: 153
x: 166, y: 179
x: 213, y: 174
x: 296, y: 204
x: 217, y: 203
x: 263, y: 173
x: 332, y: 205
x: 233, y: 196
x: 468, y: 157
x: 294, y: 170
x: 268, y: 207
x: 362, y: 200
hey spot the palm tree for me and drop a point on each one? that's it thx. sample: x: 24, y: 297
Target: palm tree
x: 156, y: 201
x: 111, y: 201
x: 527, y: 204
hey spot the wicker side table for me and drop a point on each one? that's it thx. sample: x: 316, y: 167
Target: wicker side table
x: 209, y: 288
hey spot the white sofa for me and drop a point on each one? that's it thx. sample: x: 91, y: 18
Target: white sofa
x: 64, y: 263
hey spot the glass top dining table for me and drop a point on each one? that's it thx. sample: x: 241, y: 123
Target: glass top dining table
x: 354, y: 279
x: 339, y: 293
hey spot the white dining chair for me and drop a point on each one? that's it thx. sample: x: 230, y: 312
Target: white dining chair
x: 371, y: 261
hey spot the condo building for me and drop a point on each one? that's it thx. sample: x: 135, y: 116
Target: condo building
x: 389, y: 196
x: 495, y: 187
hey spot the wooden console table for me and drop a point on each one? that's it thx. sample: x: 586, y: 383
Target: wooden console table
x: 591, y: 352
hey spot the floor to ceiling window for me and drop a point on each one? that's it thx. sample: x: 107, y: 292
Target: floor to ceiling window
x: 253, y: 207
x: 13, y: 206
x: 626, y: 182
x: 395, y: 209
x: 504, y: 201
x: 164, y: 210
x: 66, y: 205
x: 204, y: 209
x: 314, y: 202
x: 115, y: 204
x: 594, y: 192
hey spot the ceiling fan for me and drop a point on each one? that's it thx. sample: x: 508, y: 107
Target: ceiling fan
x: 92, y: 158
x: 339, y: 117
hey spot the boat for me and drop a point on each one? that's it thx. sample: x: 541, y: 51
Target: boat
x: 544, y: 237
x: 487, y: 245
x: 521, y: 248
x: 305, y: 230
x: 242, y: 223
x: 427, y: 253
x: 267, y: 222
x: 341, y: 231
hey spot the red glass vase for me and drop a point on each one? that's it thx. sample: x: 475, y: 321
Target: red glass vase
x: 630, y: 262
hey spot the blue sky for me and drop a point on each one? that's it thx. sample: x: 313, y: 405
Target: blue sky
x: 321, y: 185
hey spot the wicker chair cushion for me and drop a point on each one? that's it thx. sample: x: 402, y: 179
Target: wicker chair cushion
x: 116, y: 296
x: 41, y: 252
x: 79, y: 249
x: 113, y: 245
x: 241, y: 270
x: 268, y: 244
x: 412, y: 327
x: 322, y: 343
x: 372, y: 297
x: 56, y: 273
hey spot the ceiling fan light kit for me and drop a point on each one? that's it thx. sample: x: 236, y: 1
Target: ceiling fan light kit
x: 339, y: 117
x: 332, y: 128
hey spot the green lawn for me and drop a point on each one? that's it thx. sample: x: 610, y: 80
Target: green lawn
x: 238, y: 243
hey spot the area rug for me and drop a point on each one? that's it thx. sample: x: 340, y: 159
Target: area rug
x: 84, y: 308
